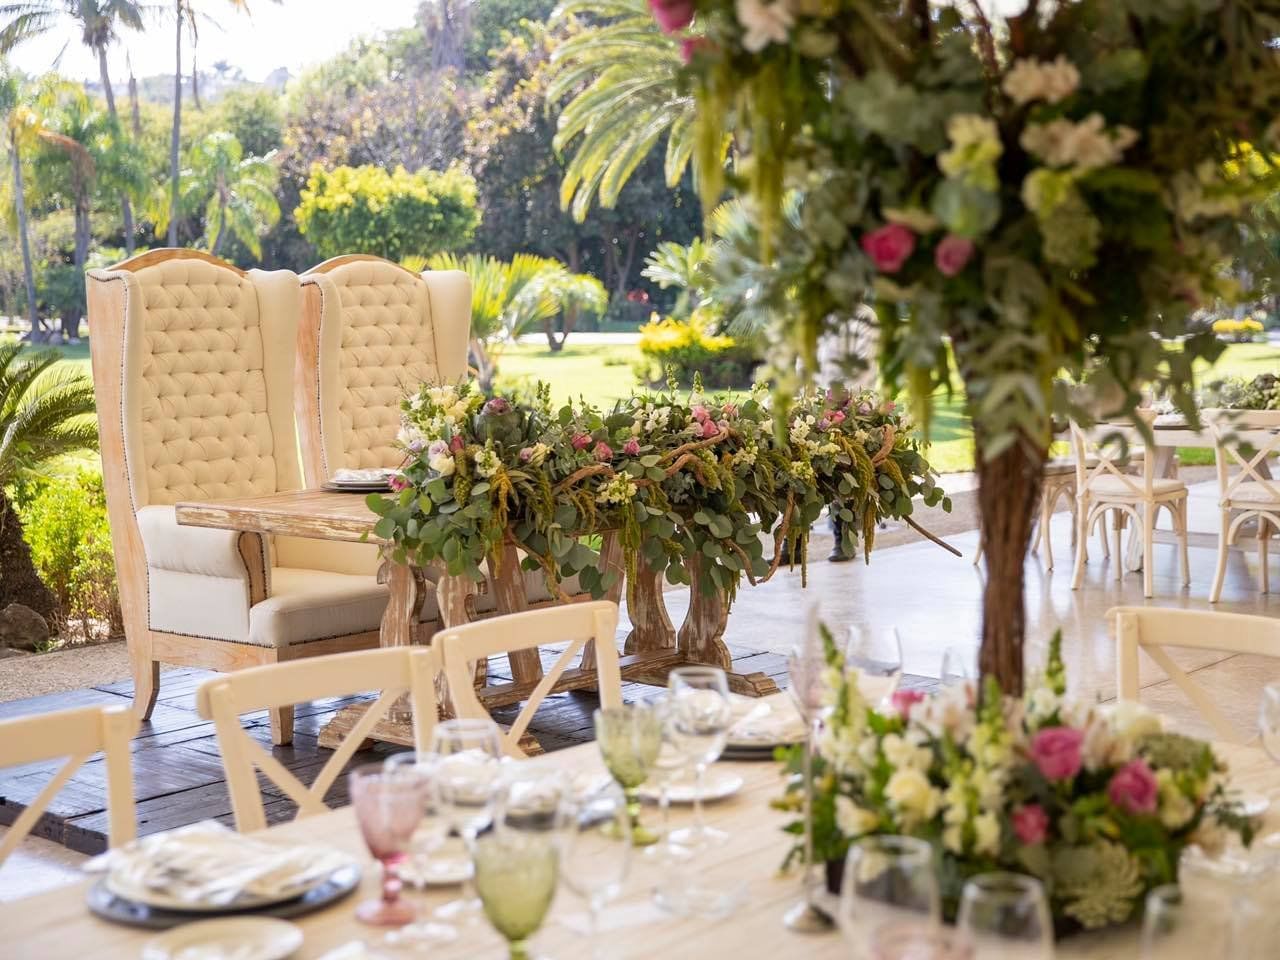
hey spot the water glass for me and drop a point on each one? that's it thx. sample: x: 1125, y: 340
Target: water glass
x: 700, y: 718
x: 593, y: 864
x: 1005, y: 916
x: 630, y: 738
x: 466, y: 780
x: 668, y: 766
x: 888, y: 881
x: 877, y: 656
x: 1269, y: 720
x: 388, y: 806
x: 516, y: 875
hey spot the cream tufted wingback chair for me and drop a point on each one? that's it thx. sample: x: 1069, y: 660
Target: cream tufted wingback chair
x: 193, y: 363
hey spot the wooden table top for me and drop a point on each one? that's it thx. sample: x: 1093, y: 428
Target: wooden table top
x: 58, y: 925
x: 319, y: 514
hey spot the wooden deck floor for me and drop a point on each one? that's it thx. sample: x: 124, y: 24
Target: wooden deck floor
x: 177, y: 768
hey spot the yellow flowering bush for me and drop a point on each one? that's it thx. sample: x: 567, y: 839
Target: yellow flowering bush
x: 1241, y: 331
x: 685, y: 347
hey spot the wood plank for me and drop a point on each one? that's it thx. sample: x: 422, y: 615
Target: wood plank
x: 319, y: 514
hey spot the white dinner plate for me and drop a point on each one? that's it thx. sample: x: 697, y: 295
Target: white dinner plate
x: 227, y: 938
x: 159, y: 900
x: 717, y: 786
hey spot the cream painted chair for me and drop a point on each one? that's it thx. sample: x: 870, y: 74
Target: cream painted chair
x: 577, y: 624
x: 77, y: 735
x: 395, y: 671
x: 1104, y: 484
x: 1246, y: 442
x: 193, y: 363
x: 1151, y: 629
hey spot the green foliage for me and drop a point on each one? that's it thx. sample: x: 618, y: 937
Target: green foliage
x: 392, y: 214
x: 685, y: 349
x: 254, y: 118
x: 492, y: 23
x: 44, y: 412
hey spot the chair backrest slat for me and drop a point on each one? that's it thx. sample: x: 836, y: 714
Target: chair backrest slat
x: 1105, y: 451
x: 1246, y: 451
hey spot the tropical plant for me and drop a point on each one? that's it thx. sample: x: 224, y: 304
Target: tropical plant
x: 683, y: 266
x: 235, y: 193
x: 19, y: 119
x: 621, y: 74
x: 44, y: 414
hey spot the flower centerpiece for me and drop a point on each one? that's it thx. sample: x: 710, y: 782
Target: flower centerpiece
x: 1021, y: 190
x: 682, y: 478
x: 1097, y: 801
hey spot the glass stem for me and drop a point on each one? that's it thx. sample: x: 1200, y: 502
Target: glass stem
x: 518, y: 950
x: 390, y: 884
x: 664, y: 807
x: 593, y: 928
x: 698, y: 771
x: 807, y: 879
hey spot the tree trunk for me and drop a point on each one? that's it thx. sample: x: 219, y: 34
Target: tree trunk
x: 20, y: 205
x: 126, y: 208
x: 19, y: 582
x: 177, y: 128
x: 1008, y: 496
x: 195, y: 78
x: 135, y: 108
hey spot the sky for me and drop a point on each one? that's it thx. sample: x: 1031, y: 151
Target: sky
x: 292, y: 34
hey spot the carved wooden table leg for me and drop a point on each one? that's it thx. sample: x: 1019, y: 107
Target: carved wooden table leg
x: 610, y: 560
x: 701, y: 637
x: 651, y: 626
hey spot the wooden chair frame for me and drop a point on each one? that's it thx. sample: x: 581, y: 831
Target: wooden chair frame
x: 1249, y: 450
x: 107, y: 303
x: 395, y: 671
x: 77, y: 735
x: 595, y: 622
x: 1153, y: 628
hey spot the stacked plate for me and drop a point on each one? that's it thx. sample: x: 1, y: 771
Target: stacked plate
x: 761, y: 726
x: 375, y: 480
x: 206, y: 870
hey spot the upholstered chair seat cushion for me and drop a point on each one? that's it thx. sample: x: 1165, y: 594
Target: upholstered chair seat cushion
x: 1253, y: 493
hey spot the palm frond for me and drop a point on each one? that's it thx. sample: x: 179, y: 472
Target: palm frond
x: 44, y: 412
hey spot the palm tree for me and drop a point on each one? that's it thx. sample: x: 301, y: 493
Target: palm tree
x: 99, y: 22
x: 236, y: 192
x: 19, y: 119
x: 622, y: 75
x: 44, y: 414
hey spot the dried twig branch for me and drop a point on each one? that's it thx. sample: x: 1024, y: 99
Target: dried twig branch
x: 938, y: 540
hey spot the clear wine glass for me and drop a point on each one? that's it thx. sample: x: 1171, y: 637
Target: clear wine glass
x: 888, y: 881
x: 877, y: 656
x: 388, y: 807
x: 1269, y: 720
x: 920, y: 940
x: 594, y: 864
x: 701, y: 716
x: 630, y: 738
x: 516, y: 876
x: 668, y: 766
x: 957, y: 667
x: 534, y: 800
x: 467, y: 775
x: 1006, y: 915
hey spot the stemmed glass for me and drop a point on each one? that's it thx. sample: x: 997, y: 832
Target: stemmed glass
x: 1006, y: 915
x: 667, y: 766
x: 516, y: 875
x: 701, y: 716
x: 388, y: 806
x: 957, y: 667
x: 889, y: 881
x: 594, y: 864
x: 467, y: 777
x: 877, y: 656
x: 629, y: 738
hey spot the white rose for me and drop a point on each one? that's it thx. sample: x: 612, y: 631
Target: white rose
x: 912, y: 795
x: 852, y: 819
x: 442, y: 464
x: 904, y: 754
x: 1131, y: 719
x: 986, y: 829
x: 1176, y: 808
x: 1042, y: 702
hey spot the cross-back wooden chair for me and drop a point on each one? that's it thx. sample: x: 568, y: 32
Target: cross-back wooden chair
x: 395, y: 671
x: 577, y: 624
x: 77, y: 735
x: 1246, y: 442
x: 1153, y: 628
x: 1103, y: 484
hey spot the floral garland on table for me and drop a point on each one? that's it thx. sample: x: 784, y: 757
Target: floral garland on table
x: 1261, y: 392
x: 678, y: 477
x: 1097, y: 801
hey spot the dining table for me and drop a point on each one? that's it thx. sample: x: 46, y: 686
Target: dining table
x: 57, y: 924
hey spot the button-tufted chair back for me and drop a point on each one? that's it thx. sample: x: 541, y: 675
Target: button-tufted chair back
x: 370, y: 329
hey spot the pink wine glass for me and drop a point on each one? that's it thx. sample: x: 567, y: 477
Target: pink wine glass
x: 389, y: 803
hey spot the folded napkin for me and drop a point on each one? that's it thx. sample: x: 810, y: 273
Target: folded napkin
x: 767, y: 723
x: 211, y: 865
x: 371, y: 475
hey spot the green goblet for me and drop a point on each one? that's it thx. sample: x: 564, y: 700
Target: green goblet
x: 630, y: 737
x: 516, y: 876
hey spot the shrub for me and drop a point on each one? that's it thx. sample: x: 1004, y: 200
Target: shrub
x: 685, y: 347
x: 1241, y: 331
x: 394, y: 214
x: 64, y: 520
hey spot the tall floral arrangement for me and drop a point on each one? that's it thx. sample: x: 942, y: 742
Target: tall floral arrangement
x: 1020, y: 195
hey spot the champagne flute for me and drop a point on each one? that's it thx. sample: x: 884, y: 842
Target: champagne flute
x: 467, y: 777
x: 700, y: 719
x: 593, y: 864
x: 630, y: 737
x: 1269, y: 720
x: 516, y: 875
x: 888, y: 881
x: 1006, y: 915
x: 877, y: 656
x: 388, y: 807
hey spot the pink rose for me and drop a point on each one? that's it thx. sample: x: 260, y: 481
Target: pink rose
x: 888, y: 406
x: 632, y: 447
x: 581, y: 441
x: 690, y: 47
x: 889, y: 246
x: 701, y: 413
x: 952, y: 254
x: 1134, y: 788
x: 457, y: 444
x: 672, y: 15
x: 1031, y: 824
x: 603, y: 452
x: 1056, y: 752
x: 837, y: 416
x: 904, y: 700
x: 709, y: 430
x: 397, y: 482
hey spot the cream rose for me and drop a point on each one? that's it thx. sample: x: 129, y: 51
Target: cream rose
x: 852, y: 819
x: 912, y: 795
